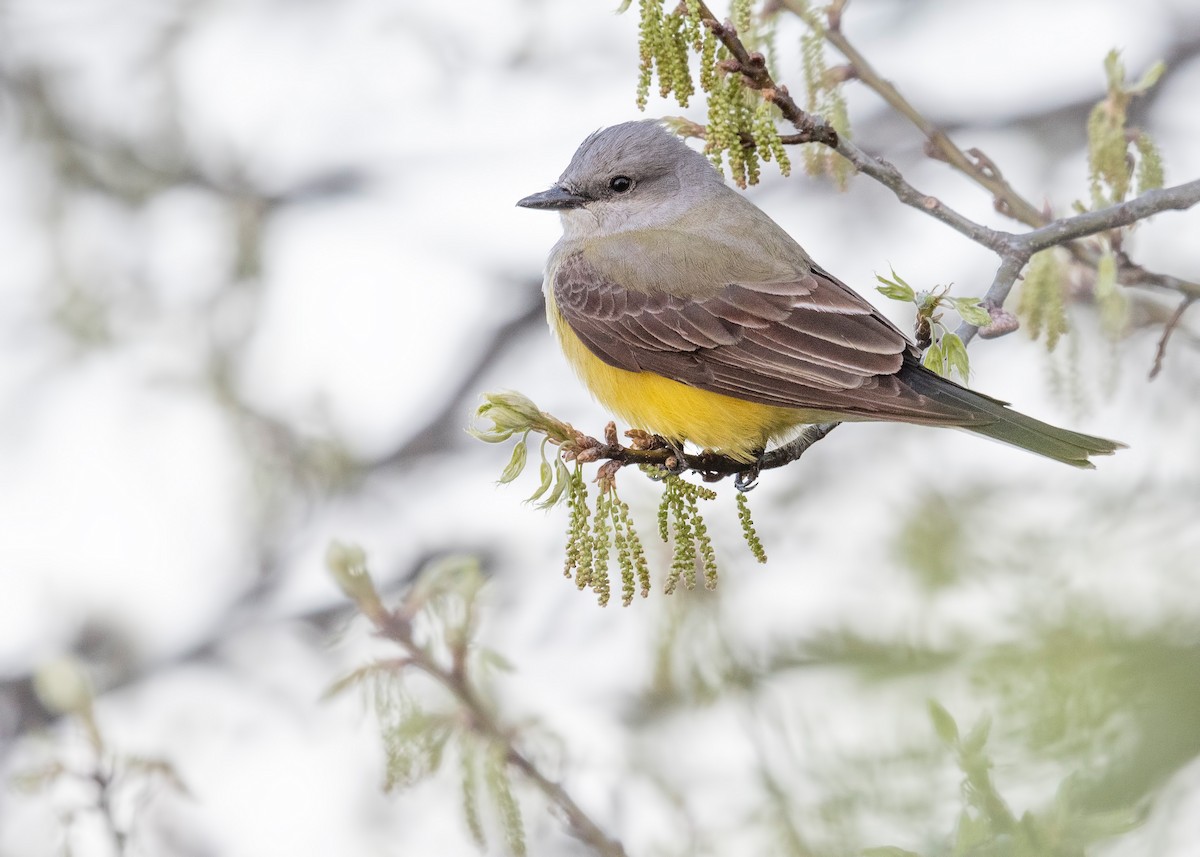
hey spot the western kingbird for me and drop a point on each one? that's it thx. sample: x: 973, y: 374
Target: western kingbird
x: 691, y: 314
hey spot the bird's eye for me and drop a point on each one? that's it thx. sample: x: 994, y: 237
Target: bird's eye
x: 621, y: 184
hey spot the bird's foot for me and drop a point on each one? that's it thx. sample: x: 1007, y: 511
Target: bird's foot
x: 746, y: 480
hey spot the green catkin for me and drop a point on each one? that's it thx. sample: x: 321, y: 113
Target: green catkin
x: 1041, y: 305
x: 664, y: 512
x: 741, y: 13
x: 601, y: 542
x: 673, y: 68
x: 573, y: 526
x: 764, y: 129
x: 1150, y: 173
x: 695, y: 29
x: 580, y: 533
x: 708, y: 61
x: 701, y: 544
x: 641, y: 567
x: 839, y: 118
x: 470, y: 791
x: 812, y: 55
x: 1107, y: 161
x: 708, y: 556
x: 748, y: 530
x: 649, y: 33
x: 624, y: 563
x: 683, y: 562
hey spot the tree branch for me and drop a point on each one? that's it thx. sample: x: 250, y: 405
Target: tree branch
x: 753, y: 68
x: 1014, y: 249
x: 647, y: 449
x: 397, y: 627
x: 974, y: 163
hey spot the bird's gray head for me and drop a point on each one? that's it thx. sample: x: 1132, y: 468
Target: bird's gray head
x: 629, y: 176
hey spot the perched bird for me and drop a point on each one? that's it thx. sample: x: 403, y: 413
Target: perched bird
x: 691, y: 314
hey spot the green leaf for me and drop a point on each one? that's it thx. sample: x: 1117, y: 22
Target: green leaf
x: 972, y: 311
x: 895, y: 288
x: 935, y: 358
x: 889, y: 851
x: 1114, y: 70
x: 470, y: 791
x: 546, y: 473
x: 956, y: 355
x: 976, y: 739
x: 971, y: 833
x: 490, y: 435
x: 492, y: 661
x: 499, y: 788
x: 1148, y: 79
x: 943, y: 724
x: 562, y: 478
x: 515, y: 464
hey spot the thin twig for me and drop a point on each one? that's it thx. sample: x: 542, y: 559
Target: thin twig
x: 979, y: 168
x: 397, y: 627
x: 753, y: 68
x: 1173, y: 322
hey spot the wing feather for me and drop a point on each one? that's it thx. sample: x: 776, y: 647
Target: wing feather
x: 807, y: 343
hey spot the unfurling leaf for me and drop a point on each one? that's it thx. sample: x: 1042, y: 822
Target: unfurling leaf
x: 972, y: 311
x: 935, y: 359
x: 956, y: 355
x: 516, y: 464
x: 895, y: 288
x: 943, y: 724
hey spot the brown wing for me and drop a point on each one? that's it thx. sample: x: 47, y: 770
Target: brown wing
x: 809, y: 343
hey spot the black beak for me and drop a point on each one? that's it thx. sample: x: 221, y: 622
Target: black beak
x: 557, y: 198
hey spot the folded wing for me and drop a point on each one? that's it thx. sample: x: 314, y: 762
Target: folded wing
x: 808, y: 343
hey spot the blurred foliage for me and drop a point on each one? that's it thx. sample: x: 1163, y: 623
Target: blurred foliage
x: 1042, y: 306
x: 1079, y: 714
x: 90, y: 779
x: 1117, y: 153
x: 419, y: 721
x: 824, y: 96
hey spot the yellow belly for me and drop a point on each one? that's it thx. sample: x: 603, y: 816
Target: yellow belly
x: 676, y: 411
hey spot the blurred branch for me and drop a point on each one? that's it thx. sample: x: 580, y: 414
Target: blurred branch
x: 22, y: 712
x: 348, y: 566
x: 1168, y: 329
x: 398, y: 628
x: 447, y: 423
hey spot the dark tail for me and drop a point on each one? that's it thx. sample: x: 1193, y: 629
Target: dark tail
x: 993, y: 418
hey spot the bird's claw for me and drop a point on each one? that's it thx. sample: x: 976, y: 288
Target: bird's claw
x: 746, y: 480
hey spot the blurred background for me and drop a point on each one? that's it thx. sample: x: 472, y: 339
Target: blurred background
x: 259, y: 261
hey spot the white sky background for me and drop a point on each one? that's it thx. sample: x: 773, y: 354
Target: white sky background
x: 127, y: 502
